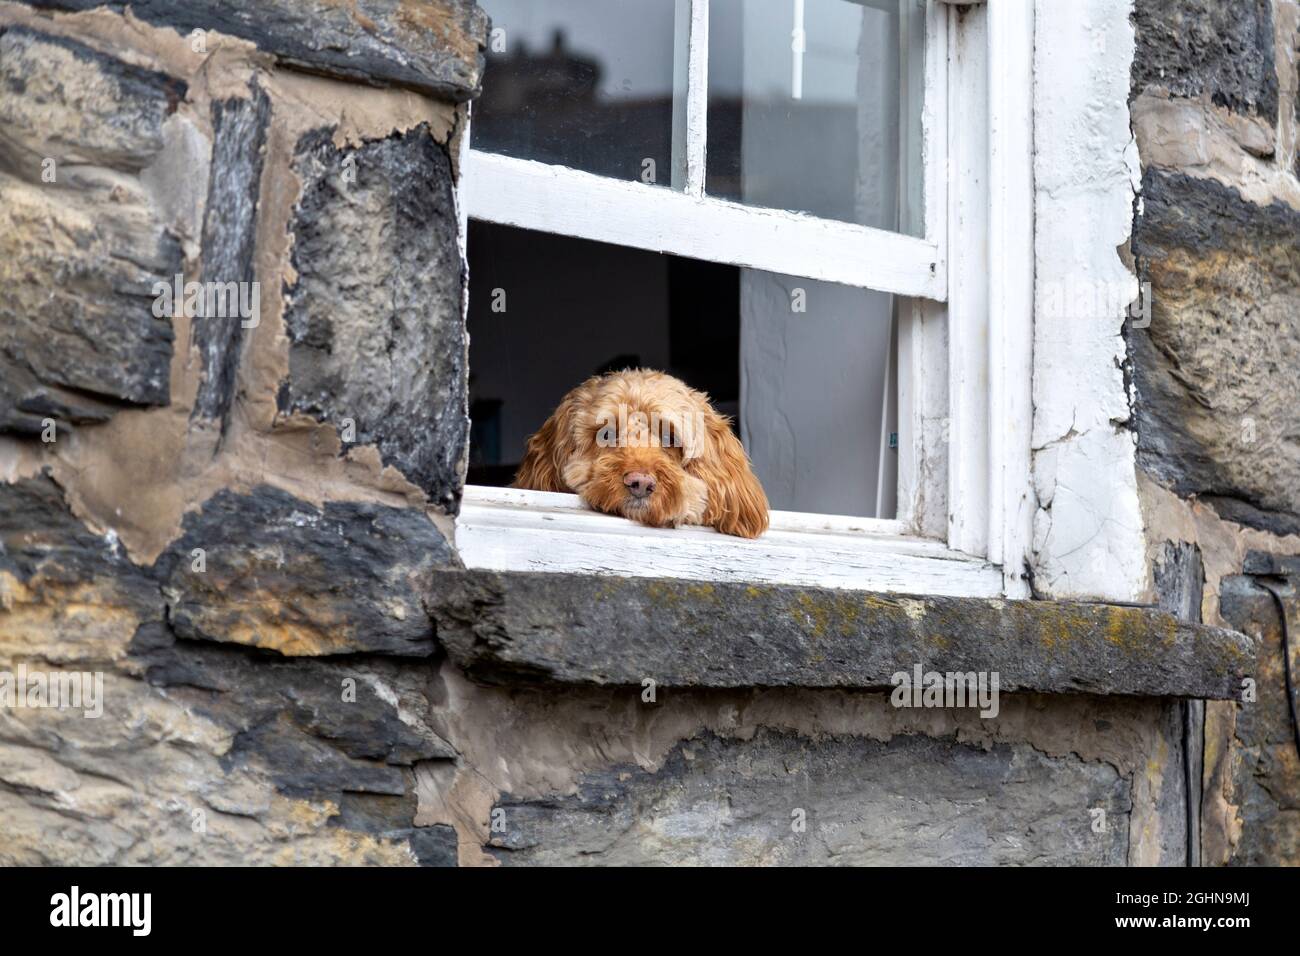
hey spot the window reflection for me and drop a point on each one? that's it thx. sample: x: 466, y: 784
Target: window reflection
x: 814, y: 106
x: 581, y: 83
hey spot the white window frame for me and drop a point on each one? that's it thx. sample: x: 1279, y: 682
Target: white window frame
x: 965, y: 334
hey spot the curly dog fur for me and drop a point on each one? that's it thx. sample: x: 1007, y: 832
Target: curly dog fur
x: 646, y: 446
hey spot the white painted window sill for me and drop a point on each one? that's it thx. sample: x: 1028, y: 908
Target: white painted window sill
x: 504, y: 529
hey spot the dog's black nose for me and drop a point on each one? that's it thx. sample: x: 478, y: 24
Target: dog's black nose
x: 639, y: 483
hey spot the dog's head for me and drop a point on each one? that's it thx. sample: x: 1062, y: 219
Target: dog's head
x: 644, y: 445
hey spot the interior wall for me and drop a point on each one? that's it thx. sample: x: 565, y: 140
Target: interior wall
x: 812, y: 384
x: 570, y: 306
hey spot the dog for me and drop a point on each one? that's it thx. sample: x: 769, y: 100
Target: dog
x: 645, y: 445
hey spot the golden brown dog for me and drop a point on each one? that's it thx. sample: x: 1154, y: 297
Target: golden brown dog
x: 646, y: 446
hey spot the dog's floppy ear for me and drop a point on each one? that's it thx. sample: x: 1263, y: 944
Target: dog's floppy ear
x: 549, y: 448
x: 737, y: 504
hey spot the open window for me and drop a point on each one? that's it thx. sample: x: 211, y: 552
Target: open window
x: 788, y: 204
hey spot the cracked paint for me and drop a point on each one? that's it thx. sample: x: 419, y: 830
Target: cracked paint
x: 1088, y: 535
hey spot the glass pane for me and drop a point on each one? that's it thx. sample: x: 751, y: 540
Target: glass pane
x: 814, y: 366
x: 803, y: 367
x: 815, y: 106
x: 581, y: 83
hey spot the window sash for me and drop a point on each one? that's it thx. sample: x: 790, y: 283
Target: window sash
x: 683, y: 220
x: 965, y: 358
x: 533, y: 195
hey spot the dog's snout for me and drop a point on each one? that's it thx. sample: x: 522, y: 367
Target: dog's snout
x: 639, y: 483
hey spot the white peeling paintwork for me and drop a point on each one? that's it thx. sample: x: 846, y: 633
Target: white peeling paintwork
x: 1088, y: 534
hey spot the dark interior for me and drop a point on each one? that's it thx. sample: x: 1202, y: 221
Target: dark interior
x: 547, y: 311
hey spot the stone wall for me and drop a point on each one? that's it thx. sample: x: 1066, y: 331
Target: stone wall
x: 247, y: 527
x: 1215, y: 365
x: 232, y: 519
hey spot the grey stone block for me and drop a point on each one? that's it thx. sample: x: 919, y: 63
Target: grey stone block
x: 781, y: 799
x: 375, y: 322
x: 59, y: 562
x: 1263, y: 762
x: 581, y: 629
x: 434, y: 46
x: 229, y: 240
x: 1195, y: 47
x: 79, y: 256
x: 281, y: 574
x: 1218, y: 369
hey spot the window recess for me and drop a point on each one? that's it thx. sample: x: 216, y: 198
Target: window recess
x: 881, y: 146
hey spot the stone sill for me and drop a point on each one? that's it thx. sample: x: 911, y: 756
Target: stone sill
x: 524, y: 627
